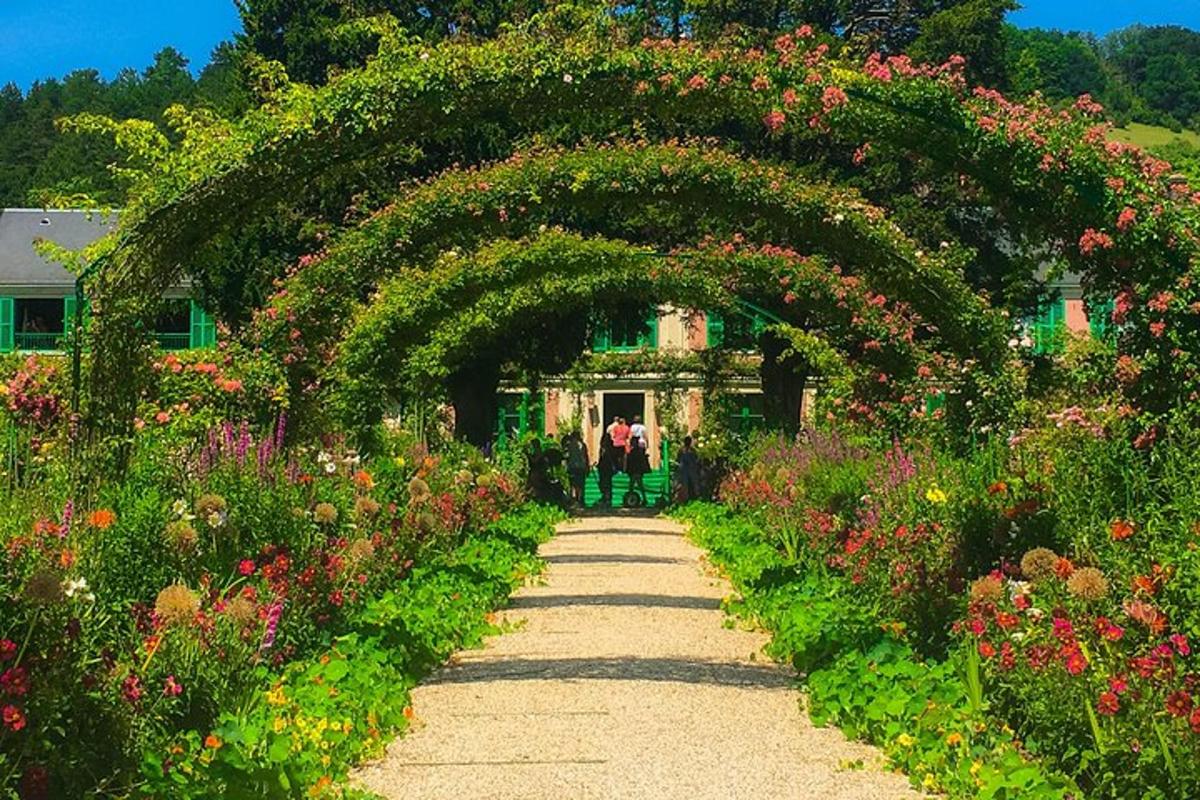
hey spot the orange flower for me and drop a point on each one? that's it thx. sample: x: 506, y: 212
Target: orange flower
x: 1121, y: 530
x: 408, y: 712
x: 66, y: 559
x: 1063, y: 568
x: 999, y: 487
x: 212, y: 742
x: 364, y: 480
x: 102, y: 519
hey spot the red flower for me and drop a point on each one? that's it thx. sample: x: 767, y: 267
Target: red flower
x: 1073, y: 659
x: 131, y: 689
x: 8, y: 649
x: 1063, y: 630
x: 247, y: 567
x: 1108, y: 704
x: 14, y: 682
x: 1179, y: 704
x: 13, y: 718
x: 172, y: 687
x: 1194, y: 721
x: 1093, y: 240
x: 1007, y: 621
x: 1118, y: 684
x: 1120, y: 530
x: 1063, y: 567
x: 1181, y: 644
x: 774, y: 120
x: 986, y: 650
x: 1126, y: 218
x: 1008, y: 659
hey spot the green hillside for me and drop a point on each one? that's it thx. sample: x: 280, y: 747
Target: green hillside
x: 1154, y: 136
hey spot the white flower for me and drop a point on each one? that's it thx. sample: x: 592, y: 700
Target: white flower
x: 79, y: 586
x: 425, y: 56
x: 216, y: 519
x: 567, y: 78
x: 1013, y: 344
x: 183, y: 510
x: 323, y: 457
x: 330, y: 468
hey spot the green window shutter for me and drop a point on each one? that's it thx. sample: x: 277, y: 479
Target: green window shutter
x: 70, y: 305
x: 203, y: 329
x: 6, y: 325
x: 600, y: 337
x: 1100, y: 319
x: 715, y: 324
x: 1048, y: 329
x: 649, y: 339
x: 533, y: 407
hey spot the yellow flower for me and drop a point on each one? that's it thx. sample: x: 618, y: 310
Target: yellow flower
x: 936, y: 495
x: 904, y: 740
x: 280, y: 724
x: 976, y: 766
x: 276, y: 697
x: 929, y: 782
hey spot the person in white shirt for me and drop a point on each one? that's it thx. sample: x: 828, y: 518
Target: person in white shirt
x: 638, y: 432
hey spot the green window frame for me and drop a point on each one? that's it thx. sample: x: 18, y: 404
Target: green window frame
x: 520, y: 413
x: 604, y: 338
x: 739, y: 332
x: 749, y: 414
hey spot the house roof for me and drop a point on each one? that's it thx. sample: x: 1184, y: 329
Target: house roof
x: 22, y: 267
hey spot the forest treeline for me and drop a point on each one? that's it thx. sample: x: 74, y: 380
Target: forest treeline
x: 1142, y: 74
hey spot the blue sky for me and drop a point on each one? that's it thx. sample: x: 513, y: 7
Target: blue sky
x: 45, y: 38
x: 1102, y: 16
x: 53, y: 37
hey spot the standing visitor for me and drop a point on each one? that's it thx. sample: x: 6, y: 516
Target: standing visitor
x: 620, y: 438
x: 637, y: 464
x: 638, y: 431
x: 688, y: 470
x: 578, y: 463
x: 606, y: 467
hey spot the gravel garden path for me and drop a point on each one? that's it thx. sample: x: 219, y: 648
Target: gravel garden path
x: 621, y: 680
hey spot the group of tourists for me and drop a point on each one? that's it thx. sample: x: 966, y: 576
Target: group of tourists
x: 624, y: 448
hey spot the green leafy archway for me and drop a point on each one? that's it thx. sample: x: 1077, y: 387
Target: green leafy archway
x: 659, y: 194
x: 422, y: 328
x: 1117, y: 216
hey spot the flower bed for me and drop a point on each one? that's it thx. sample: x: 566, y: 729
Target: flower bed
x: 233, y: 618
x: 1043, y: 587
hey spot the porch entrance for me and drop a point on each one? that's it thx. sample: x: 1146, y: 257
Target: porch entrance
x: 623, y: 404
x: 658, y: 481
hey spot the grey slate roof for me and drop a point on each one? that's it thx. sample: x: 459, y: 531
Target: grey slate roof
x: 22, y: 268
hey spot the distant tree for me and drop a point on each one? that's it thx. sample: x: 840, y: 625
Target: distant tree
x: 974, y: 29
x: 304, y: 35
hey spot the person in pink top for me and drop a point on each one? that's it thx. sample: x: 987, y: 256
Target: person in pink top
x: 620, y: 438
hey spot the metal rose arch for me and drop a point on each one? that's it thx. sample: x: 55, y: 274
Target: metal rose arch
x: 702, y: 136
